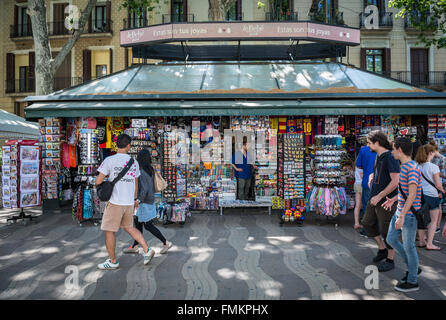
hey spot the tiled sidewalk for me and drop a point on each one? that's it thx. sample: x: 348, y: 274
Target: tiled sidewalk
x: 235, y: 256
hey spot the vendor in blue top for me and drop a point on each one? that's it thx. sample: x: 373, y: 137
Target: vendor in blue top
x: 243, y: 171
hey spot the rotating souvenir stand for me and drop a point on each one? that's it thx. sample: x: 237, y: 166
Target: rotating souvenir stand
x: 21, y: 176
x: 177, y: 208
x: 328, y: 197
x: 266, y: 175
x: 50, y: 140
x: 86, y: 205
x: 293, y: 178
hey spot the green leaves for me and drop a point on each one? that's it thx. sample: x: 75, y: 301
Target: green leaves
x: 428, y: 17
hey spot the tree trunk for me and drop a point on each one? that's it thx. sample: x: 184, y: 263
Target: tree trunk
x: 46, y: 67
x: 219, y: 8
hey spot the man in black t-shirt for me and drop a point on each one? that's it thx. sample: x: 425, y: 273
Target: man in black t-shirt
x: 383, y: 185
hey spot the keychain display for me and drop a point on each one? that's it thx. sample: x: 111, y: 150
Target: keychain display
x: 86, y: 204
x: 328, y: 201
x: 266, y: 175
x: 88, y: 146
x: 293, y: 166
x: 169, y: 168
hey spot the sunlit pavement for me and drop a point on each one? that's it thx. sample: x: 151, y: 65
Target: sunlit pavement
x: 240, y: 255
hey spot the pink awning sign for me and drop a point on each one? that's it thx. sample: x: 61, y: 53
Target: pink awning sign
x: 214, y: 31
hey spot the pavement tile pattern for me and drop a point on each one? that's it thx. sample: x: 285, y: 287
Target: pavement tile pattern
x: 242, y: 255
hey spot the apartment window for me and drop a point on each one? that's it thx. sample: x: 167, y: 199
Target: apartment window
x: 138, y: 18
x: 23, y: 79
x: 100, y: 18
x: 380, y: 4
x: 325, y: 11
x: 235, y: 12
x: 101, y: 70
x: 179, y: 10
x: 281, y: 6
x: 22, y: 22
x: 375, y: 60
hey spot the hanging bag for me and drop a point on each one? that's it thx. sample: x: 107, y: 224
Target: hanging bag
x: 159, y: 182
x: 105, y: 189
x: 433, y: 185
x: 422, y: 215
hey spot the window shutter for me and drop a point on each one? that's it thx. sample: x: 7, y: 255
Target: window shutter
x: 363, y: 59
x: 86, y: 57
x: 108, y: 17
x: 387, y: 62
x: 239, y: 10
x: 90, y: 20
x: 10, y: 72
x: 31, y: 70
x: 111, y: 60
x: 16, y: 20
x: 30, y: 28
x: 126, y: 58
x: 185, y: 11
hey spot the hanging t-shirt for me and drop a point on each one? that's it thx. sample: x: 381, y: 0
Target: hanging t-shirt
x: 124, y: 190
x: 117, y: 127
x: 102, y: 130
x: 108, y: 133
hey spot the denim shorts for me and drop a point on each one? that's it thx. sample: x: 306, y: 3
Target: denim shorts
x: 432, y: 202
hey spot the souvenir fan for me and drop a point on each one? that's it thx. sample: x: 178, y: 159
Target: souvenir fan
x: 91, y: 123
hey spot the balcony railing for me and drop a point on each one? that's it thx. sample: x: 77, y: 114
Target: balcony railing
x: 20, y: 30
x: 168, y: 18
x: 431, y: 78
x: 101, y: 26
x: 57, y: 28
x: 385, y: 20
x: 28, y: 84
x: 337, y: 19
x: 411, y: 21
x: 133, y: 23
x: 281, y: 16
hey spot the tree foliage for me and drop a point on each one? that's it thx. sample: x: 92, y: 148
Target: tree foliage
x: 427, y: 16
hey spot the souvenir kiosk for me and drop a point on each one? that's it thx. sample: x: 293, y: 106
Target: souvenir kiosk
x: 303, y: 117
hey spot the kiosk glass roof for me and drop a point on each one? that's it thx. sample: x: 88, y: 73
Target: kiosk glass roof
x: 187, y: 78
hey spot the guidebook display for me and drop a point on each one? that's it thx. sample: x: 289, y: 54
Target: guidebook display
x: 21, y: 174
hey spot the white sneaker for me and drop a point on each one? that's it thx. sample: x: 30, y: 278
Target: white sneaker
x: 108, y: 265
x: 166, y: 247
x: 149, y: 255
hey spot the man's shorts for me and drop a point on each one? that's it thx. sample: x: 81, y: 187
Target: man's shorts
x: 116, y: 216
x: 357, y: 188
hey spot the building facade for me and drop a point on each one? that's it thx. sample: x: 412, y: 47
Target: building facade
x: 391, y: 49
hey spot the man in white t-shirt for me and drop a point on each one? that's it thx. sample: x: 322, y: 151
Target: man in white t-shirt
x: 119, y: 210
